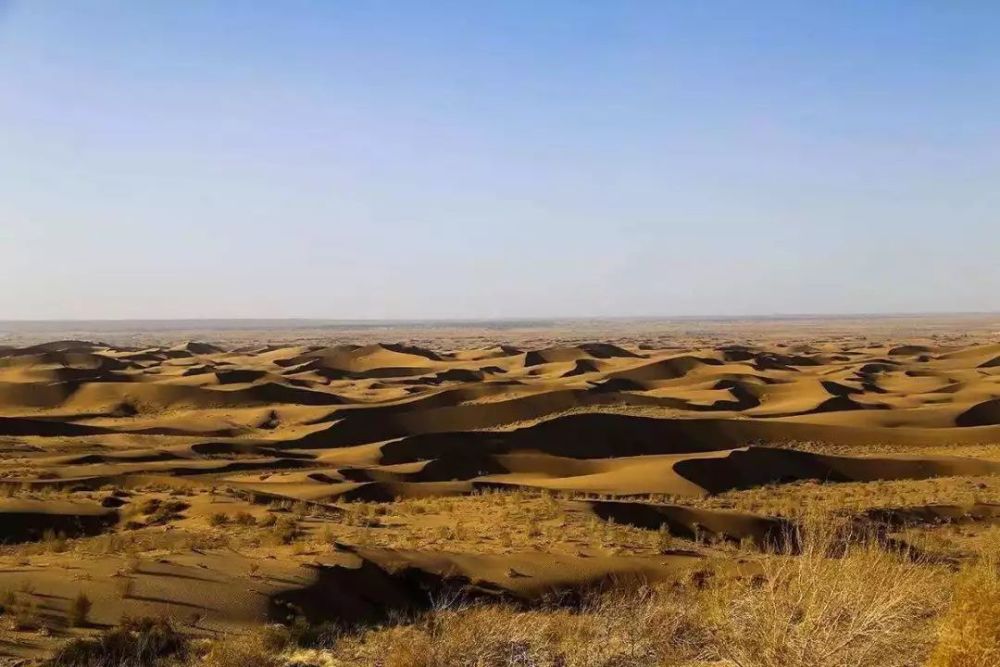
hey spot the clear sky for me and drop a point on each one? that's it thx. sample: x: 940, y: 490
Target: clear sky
x: 360, y: 159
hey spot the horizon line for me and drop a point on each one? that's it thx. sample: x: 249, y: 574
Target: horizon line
x: 506, y: 319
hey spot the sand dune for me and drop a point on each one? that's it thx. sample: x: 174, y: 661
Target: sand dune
x: 986, y: 413
x: 441, y: 408
x: 147, y: 445
x: 695, y: 522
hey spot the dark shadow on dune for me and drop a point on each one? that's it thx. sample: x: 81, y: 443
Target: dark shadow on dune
x: 758, y: 466
x: 986, y: 413
x: 243, y: 466
x: 691, y: 523
x: 88, y: 459
x: 369, y: 594
x: 923, y: 515
x: 167, y: 601
x: 21, y: 426
x: 27, y: 526
x: 246, y: 448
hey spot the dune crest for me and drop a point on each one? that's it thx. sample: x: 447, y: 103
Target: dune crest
x: 350, y: 482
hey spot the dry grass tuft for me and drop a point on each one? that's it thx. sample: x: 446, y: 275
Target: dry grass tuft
x: 844, y: 601
x: 241, y: 651
x: 969, y: 634
x: 21, y: 610
x: 140, y: 642
x: 636, y: 627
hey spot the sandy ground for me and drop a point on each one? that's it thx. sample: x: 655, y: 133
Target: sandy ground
x: 259, y: 474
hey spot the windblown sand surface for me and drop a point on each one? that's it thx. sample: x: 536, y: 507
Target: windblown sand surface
x: 215, y: 483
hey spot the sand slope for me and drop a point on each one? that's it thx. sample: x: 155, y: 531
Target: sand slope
x: 82, y: 423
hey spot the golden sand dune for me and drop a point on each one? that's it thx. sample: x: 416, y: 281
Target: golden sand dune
x: 188, y: 476
x: 497, y: 415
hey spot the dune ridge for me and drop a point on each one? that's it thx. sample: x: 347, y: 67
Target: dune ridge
x: 173, y: 451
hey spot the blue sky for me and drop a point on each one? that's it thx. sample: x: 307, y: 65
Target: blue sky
x: 330, y: 159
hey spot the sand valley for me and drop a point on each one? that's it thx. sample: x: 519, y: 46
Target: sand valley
x: 246, y: 479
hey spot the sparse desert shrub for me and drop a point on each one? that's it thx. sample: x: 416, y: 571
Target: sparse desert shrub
x: 969, y: 635
x: 261, y: 648
x: 844, y: 601
x: 20, y: 609
x: 663, y: 539
x: 359, y: 514
x: 139, y: 642
x: 167, y: 511
x: 149, y: 505
x: 108, y: 543
x: 327, y: 535
x: 285, y: 530
x: 244, y: 519
x: 218, y: 519
x: 633, y: 627
x: 275, y: 638
x: 79, y: 610
x: 241, y: 651
x: 303, y: 634
x: 54, y: 542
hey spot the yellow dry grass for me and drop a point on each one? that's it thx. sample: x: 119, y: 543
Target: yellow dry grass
x: 844, y: 601
x: 969, y: 634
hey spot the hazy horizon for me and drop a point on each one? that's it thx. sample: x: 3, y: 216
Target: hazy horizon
x: 515, y: 318
x: 290, y: 324
x: 497, y: 161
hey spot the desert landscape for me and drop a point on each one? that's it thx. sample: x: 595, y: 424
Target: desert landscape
x: 499, y: 334
x: 732, y: 492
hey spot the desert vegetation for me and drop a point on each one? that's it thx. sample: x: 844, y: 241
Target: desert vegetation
x: 826, y: 502
x: 843, y: 598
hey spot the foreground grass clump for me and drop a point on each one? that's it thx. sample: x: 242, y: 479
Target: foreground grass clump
x: 138, y: 642
x: 844, y: 601
x: 838, y: 599
x: 970, y: 629
x: 258, y: 650
x: 637, y: 627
